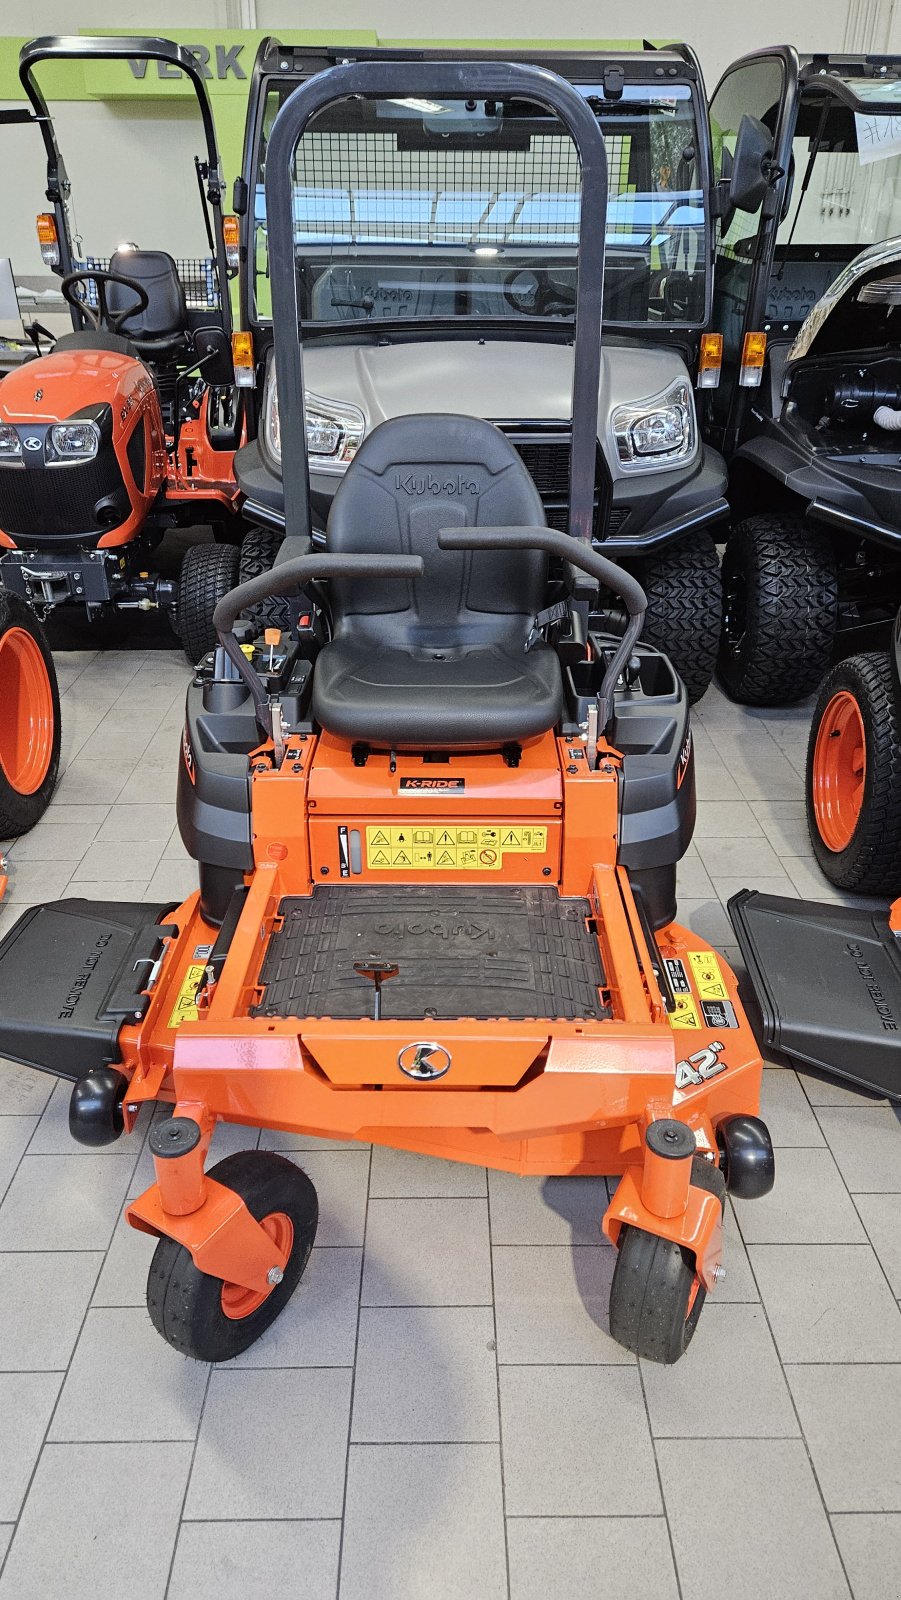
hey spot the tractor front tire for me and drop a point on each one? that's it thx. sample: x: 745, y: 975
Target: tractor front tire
x: 29, y: 719
x: 853, y: 785
x: 780, y: 610
x: 258, y: 552
x: 208, y: 572
x: 212, y: 1320
x: 685, y: 604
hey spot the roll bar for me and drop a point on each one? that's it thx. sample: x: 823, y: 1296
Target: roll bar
x: 580, y: 555
x: 437, y: 79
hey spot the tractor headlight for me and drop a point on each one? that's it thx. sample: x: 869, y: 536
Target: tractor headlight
x: 335, y: 428
x: 10, y: 443
x: 658, y: 431
x: 74, y: 441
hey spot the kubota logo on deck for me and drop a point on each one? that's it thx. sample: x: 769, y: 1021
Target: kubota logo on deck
x: 424, y: 1061
x: 427, y: 483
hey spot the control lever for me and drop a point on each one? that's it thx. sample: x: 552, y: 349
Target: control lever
x: 378, y: 972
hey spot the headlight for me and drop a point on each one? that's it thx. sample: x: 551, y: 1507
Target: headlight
x: 658, y: 431
x: 10, y: 443
x: 335, y: 428
x: 74, y: 441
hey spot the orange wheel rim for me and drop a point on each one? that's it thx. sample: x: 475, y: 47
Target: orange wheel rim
x: 26, y: 721
x: 839, y: 771
x: 692, y: 1296
x: 238, y: 1302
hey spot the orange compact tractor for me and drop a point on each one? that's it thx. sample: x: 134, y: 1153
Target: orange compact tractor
x: 437, y: 857
x: 130, y: 424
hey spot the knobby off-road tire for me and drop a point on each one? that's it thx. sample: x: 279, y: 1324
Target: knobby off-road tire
x: 780, y: 610
x: 258, y: 552
x: 208, y: 572
x: 685, y: 603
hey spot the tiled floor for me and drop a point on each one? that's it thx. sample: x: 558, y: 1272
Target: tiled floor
x: 440, y: 1414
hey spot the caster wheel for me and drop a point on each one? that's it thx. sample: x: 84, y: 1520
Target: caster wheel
x: 212, y: 1320
x: 656, y: 1296
x: 95, y: 1109
x: 747, y: 1161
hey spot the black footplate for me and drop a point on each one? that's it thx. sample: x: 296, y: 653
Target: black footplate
x: 71, y: 973
x: 827, y: 980
x: 493, y: 952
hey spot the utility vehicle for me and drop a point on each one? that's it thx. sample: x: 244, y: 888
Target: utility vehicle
x: 435, y: 256
x: 129, y: 425
x: 813, y: 561
x: 437, y: 855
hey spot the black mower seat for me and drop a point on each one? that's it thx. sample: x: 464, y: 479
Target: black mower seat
x: 442, y: 660
x: 162, y: 327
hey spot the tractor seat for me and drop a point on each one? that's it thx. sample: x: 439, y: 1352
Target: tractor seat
x: 440, y: 661
x: 162, y: 328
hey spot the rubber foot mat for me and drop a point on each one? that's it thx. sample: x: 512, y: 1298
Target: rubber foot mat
x: 461, y: 952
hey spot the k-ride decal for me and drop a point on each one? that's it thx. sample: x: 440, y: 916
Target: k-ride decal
x: 444, y: 848
x: 443, y: 785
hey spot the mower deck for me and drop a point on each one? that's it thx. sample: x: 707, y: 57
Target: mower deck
x: 510, y: 952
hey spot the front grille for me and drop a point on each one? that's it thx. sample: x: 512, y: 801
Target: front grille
x: 61, y: 500
x: 545, y: 452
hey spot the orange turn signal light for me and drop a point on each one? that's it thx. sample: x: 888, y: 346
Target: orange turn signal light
x: 231, y: 238
x: 753, y: 353
x: 710, y: 360
x: 47, y: 238
x: 242, y: 357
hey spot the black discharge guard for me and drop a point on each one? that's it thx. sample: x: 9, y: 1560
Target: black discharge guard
x: 71, y: 973
x: 828, y: 983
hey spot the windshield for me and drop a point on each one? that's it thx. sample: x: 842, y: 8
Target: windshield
x: 413, y: 210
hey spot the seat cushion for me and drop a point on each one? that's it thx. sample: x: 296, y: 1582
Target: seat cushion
x: 473, y: 698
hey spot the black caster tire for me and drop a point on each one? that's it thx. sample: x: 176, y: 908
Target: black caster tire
x: 259, y: 549
x: 747, y: 1159
x: 656, y: 1297
x: 685, y: 607
x: 207, y: 1319
x: 780, y: 610
x: 853, y: 783
x: 208, y: 573
x: 29, y: 719
x: 95, y: 1107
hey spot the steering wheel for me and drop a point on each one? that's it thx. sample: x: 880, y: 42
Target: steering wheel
x: 102, y: 317
x: 533, y: 293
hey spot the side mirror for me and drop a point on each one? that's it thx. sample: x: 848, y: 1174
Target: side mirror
x: 214, y: 355
x: 749, y: 179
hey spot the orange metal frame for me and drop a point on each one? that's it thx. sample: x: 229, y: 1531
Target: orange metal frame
x: 535, y: 1096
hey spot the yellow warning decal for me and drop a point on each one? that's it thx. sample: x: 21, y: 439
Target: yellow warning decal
x: 685, y: 1014
x: 707, y: 974
x: 442, y: 848
x: 184, y: 1009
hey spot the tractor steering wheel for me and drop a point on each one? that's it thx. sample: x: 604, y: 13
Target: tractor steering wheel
x: 102, y: 317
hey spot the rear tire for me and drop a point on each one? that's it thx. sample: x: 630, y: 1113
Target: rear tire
x: 208, y: 572
x: 685, y: 604
x: 200, y: 1316
x: 780, y: 610
x: 854, y: 805
x: 29, y: 719
x: 258, y: 552
x: 656, y: 1297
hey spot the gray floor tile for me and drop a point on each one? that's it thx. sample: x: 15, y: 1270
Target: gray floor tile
x: 404, y: 1174
x: 739, y: 856
x: 881, y: 1216
x: 126, y: 1384
x: 136, y: 824
x: 72, y: 1543
x: 31, y: 882
x: 15, y: 1136
x: 576, y: 1442
x: 424, y: 1522
x: 173, y: 880
x: 693, y: 879
x: 851, y: 1418
x: 727, y: 884
x: 109, y: 860
x: 341, y: 1179
x: 728, y: 1385
x: 738, y: 1285
x: 123, y: 1276
x: 551, y: 1305
x: 788, y: 1113
x: 26, y: 1403
x: 771, y: 1534
x: 726, y: 819
x: 63, y: 1202
x: 277, y: 1139
x: 871, y: 1551
x: 425, y: 1374
x: 318, y: 1327
x: 708, y: 918
x: 427, y: 1253
x: 131, y: 889
x: 808, y: 1204
x: 63, y: 842
x: 606, y: 1558
x: 237, y: 1470
x: 827, y: 1302
x: 785, y: 824
x: 159, y: 779
x: 255, y: 1561
x: 866, y: 1143
x: 823, y: 1091
x: 546, y: 1210
x: 7, y: 1529
x: 23, y: 1092
x: 43, y: 1299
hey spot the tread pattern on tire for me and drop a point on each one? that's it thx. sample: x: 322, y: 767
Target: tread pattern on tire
x: 791, y: 610
x: 20, y: 812
x: 685, y: 607
x: 208, y: 572
x: 258, y: 552
x: 871, y: 862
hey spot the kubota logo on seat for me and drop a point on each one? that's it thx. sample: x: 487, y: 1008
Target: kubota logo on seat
x: 424, y: 1061
x: 427, y: 483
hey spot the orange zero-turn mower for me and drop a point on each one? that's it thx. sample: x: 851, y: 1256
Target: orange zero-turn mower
x: 29, y: 723
x: 129, y: 425
x: 437, y: 862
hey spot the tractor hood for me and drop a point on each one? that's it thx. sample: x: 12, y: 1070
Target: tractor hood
x: 861, y: 310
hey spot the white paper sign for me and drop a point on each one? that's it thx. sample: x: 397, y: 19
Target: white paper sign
x: 877, y: 137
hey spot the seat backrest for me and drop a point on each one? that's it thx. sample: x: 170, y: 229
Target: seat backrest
x: 410, y: 478
x: 166, y: 316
